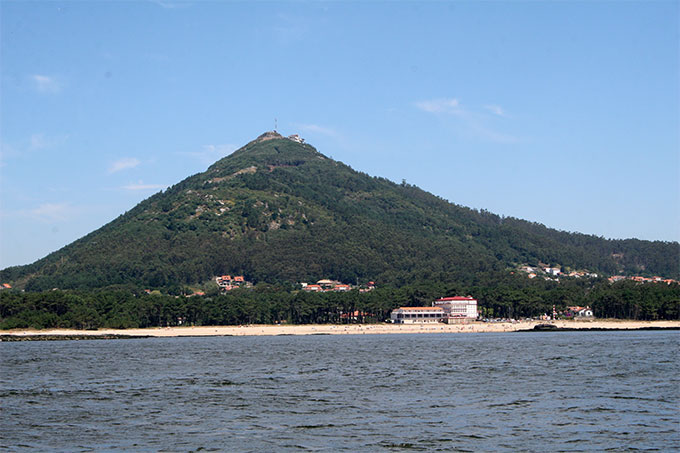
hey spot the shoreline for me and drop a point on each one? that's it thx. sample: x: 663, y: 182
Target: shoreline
x: 330, y: 329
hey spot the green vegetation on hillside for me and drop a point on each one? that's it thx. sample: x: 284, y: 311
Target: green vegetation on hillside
x: 279, y: 212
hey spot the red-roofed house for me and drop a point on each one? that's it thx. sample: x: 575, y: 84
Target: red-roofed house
x: 223, y: 281
x: 579, y: 312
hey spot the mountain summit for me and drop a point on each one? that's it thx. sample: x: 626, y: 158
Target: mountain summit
x: 277, y: 210
x: 269, y: 135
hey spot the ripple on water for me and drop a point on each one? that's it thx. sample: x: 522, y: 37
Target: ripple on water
x: 568, y: 391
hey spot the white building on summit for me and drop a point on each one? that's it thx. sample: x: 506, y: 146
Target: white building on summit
x: 296, y: 138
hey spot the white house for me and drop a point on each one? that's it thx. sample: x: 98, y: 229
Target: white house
x: 580, y: 312
x: 412, y: 315
x: 552, y: 270
x: 457, y: 308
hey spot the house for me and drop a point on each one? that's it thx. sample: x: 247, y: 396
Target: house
x: 296, y: 138
x: 223, y: 281
x: 552, y: 270
x: 369, y: 287
x: 327, y: 284
x: 6, y: 286
x: 457, y: 308
x: 579, y: 312
x: 227, y: 282
x: 413, y: 315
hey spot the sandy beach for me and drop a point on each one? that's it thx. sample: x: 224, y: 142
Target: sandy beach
x: 351, y: 329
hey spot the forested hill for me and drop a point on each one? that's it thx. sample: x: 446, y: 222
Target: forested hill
x: 280, y: 211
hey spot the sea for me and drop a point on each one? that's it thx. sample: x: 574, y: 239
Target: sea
x: 542, y: 391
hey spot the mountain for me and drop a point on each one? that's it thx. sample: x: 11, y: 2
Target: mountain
x: 277, y: 210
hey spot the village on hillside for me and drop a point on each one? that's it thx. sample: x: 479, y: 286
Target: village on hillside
x: 638, y: 279
x: 555, y: 272
x: 326, y: 285
x: 228, y: 283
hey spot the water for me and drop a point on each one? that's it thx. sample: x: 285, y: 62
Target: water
x: 565, y: 391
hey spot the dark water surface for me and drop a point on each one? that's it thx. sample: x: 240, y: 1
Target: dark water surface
x: 553, y: 391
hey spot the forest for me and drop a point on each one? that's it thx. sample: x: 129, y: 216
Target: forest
x: 271, y: 304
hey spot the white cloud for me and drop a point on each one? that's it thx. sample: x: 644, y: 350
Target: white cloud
x: 141, y: 186
x: 209, y: 154
x: 495, y: 109
x: 490, y: 135
x: 472, y: 122
x: 7, y: 151
x: 169, y: 4
x: 41, y: 141
x: 46, y: 84
x: 35, y: 142
x: 38, y: 141
x: 441, y: 105
x: 289, y: 29
x: 52, y: 212
x: 316, y: 129
x: 122, y: 164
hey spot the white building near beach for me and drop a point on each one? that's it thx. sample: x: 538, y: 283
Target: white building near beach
x: 412, y: 315
x: 457, y: 308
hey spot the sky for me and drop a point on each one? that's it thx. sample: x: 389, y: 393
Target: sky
x: 562, y: 113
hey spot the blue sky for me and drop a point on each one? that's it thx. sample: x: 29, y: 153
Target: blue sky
x: 563, y: 113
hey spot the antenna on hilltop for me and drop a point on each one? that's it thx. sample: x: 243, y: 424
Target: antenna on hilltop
x: 275, y: 124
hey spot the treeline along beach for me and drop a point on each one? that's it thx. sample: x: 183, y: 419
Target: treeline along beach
x: 267, y: 304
